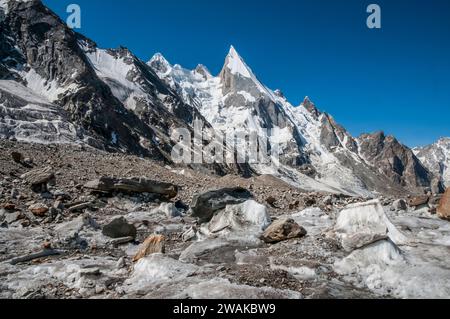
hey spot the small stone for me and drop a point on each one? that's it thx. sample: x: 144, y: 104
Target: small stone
x: 271, y: 201
x: 38, y: 209
x: 47, y: 245
x: 154, y: 244
x: 99, y: 289
x: 90, y: 272
x: 399, y: 205
x: 328, y: 200
x: 418, y: 200
x: 28, y: 161
x: 14, y: 193
x: 58, y: 204
x: 121, y: 263
x: 121, y: 241
x: 220, y: 268
x: 9, y: 206
x: 189, y: 234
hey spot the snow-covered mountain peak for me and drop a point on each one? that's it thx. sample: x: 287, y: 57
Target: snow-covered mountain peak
x: 236, y: 64
x: 160, y: 64
x: 436, y: 157
x: 311, y: 107
x: 203, y: 71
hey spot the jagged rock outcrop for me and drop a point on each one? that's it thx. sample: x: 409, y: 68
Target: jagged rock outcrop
x: 394, y: 160
x: 436, y: 157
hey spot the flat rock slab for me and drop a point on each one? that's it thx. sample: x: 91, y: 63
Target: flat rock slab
x: 39, y: 176
x: 135, y: 185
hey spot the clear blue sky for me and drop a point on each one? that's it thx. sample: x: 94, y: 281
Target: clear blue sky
x: 396, y: 79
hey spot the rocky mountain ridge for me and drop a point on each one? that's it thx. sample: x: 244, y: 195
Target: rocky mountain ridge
x: 112, y: 100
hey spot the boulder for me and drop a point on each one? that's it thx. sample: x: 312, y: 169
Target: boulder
x: 9, y: 206
x: 119, y: 227
x: 283, y: 229
x: 417, y: 201
x: 204, y: 206
x: 443, y: 209
x: 39, y: 177
x: 38, y: 209
x: 135, y: 185
x: 154, y: 244
x: 399, y: 205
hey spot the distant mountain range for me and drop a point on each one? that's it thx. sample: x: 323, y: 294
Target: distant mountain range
x: 57, y: 86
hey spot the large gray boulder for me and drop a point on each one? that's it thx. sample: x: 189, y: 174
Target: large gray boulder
x: 118, y: 228
x: 205, y: 205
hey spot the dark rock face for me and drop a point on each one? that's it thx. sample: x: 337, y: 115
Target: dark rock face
x: 51, y: 50
x: 394, y: 160
x: 311, y: 107
x: 334, y: 135
x: 205, y: 205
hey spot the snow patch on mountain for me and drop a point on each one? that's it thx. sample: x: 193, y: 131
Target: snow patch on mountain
x: 27, y: 116
x: 117, y: 73
x: 52, y: 90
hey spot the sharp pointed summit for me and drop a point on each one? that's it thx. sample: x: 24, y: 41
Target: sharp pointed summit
x: 236, y: 64
x: 159, y: 63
